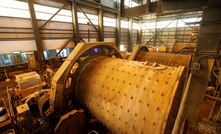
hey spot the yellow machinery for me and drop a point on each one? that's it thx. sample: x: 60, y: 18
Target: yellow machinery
x: 130, y: 97
x: 126, y: 96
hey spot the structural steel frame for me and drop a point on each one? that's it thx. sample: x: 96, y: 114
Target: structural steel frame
x: 38, y: 40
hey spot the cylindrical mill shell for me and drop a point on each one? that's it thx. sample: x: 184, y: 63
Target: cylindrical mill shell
x: 129, y: 97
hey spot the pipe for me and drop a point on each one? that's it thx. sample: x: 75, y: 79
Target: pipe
x: 179, y: 119
x: 213, y: 98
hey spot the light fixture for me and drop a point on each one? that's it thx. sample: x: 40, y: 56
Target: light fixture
x: 16, y: 52
x: 122, y: 48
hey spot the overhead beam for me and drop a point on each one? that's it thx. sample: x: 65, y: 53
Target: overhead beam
x: 193, y: 23
x: 177, y: 5
x: 139, y: 10
x: 163, y: 8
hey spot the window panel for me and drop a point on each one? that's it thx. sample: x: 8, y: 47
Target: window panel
x: 109, y: 22
x: 135, y: 25
x: 9, y: 12
x: 124, y: 24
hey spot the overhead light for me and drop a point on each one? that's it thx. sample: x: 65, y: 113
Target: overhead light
x: 122, y: 48
x: 16, y: 52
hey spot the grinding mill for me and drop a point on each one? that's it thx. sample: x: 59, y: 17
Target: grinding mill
x: 141, y: 53
x: 126, y: 96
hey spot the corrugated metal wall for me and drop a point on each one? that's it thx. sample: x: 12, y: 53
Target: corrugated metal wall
x: 16, y: 34
x: 18, y: 31
x: 163, y: 30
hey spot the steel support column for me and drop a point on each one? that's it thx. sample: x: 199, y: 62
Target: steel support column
x: 155, y: 31
x: 122, y: 8
x: 38, y: 41
x: 207, y: 46
x: 130, y: 38
x: 139, y: 32
x: 176, y: 27
x: 101, y: 24
x: 118, y: 30
x: 75, y: 22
